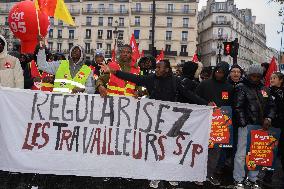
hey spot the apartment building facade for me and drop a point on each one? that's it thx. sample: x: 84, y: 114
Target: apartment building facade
x: 223, y: 21
x: 100, y: 23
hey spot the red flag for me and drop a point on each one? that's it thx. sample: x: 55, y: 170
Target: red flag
x: 272, y: 68
x: 135, y: 50
x: 142, y: 54
x: 161, y: 56
x: 195, y: 58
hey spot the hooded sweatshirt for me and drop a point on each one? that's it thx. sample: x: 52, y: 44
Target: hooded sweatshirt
x: 219, y: 92
x: 11, y: 73
x: 51, y: 67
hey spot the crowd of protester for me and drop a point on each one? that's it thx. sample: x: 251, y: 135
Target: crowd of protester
x: 223, y: 85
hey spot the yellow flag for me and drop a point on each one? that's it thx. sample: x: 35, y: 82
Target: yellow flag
x: 62, y: 13
x: 36, y: 4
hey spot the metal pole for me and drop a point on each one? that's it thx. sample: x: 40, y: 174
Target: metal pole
x: 153, y: 28
x: 280, y: 45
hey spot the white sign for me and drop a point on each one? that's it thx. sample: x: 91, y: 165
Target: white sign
x: 86, y: 135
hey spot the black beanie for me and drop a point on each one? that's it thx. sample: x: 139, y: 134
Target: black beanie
x: 237, y: 66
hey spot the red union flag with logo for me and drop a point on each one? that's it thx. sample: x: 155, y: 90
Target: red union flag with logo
x: 135, y: 50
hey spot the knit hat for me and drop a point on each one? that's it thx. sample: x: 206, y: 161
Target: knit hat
x: 237, y: 66
x: 255, y: 69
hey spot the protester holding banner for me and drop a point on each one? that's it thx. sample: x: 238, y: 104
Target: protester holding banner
x: 11, y: 73
x: 71, y: 76
x: 277, y: 93
x: 220, y: 93
x: 109, y: 84
x: 162, y: 85
x: 253, y: 106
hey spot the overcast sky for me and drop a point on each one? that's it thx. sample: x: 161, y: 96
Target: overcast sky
x: 266, y: 13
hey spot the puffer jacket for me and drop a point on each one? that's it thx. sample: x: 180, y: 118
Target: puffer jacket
x: 11, y: 73
x: 278, y: 98
x: 252, y: 104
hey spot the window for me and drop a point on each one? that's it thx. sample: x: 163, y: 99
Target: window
x: 136, y: 34
x: 101, y: 8
x: 51, y: 20
x: 6, y: 21
x: 50, y: 33
x: 110, y: 8
x: 59, y: 34
x: 71, y: 34
x: 88, y: 20
x: 168, y: 35
x: 168, y: 48
x: 151, y: 21
x: 185, y: 22
x: 137, y: 20
x: 88, y: 48
x: 120, y: 34
x: 88, y: 33
x: 186, y: 9
x: 122, y: 9
x: 59, y: 47
x: 99, y: 45
x: 89, y: 7
x: 60, y: 23
x: 170, y: 8
x: 121, y: 22
x: 221, y: 19
x: 50, y: 45
x: 108, y: 47
x: 184, y: 35
x: 109, y: 34
x: 183, y: 48
x: 150, y: 34
x: 151, y: 8
x: 220, y: 32
x: 169, y: 22
x: 70, y: 45
x: 109, y: 21
x: 138, y: 7
x: 100, y: 34
x: 101, y: 21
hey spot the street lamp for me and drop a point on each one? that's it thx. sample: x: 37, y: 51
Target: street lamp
x: 219, y: 47
x: 115, y: 33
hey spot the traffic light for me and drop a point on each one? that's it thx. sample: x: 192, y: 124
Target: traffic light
x: 228, y: 47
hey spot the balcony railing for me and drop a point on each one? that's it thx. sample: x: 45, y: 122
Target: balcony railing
x: 75, y: 11
x: 183, y: 53
x: 164, y: 11
x: 171, y: 53
x: 104, y: 11
x: 221, y: 23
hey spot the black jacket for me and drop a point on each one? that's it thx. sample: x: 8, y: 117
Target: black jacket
x: 219, y: 92
x: 162, y: 88
x: 252, y: 104
x: 278, y: 98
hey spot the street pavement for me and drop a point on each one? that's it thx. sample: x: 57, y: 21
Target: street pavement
x: 18, y: 181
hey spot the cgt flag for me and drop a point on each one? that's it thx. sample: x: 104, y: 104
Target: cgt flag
x: 56, y: 9
x: 135, y: 50
x: 161, y: 56
x: 272, y: 68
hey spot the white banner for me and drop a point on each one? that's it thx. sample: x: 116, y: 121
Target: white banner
x: 87, y: 135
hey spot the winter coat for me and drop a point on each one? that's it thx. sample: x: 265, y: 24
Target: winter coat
x: 219, y: 92
x: 278, y: 98
x: 11, y: 73
x: 252, y: 104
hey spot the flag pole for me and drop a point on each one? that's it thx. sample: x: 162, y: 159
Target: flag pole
x: 37, y: 19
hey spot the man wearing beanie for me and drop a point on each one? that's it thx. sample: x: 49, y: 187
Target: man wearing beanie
x: 252, y: 106
x: 235, y: 76
x: 219, y: 91
x: 11, y: 73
